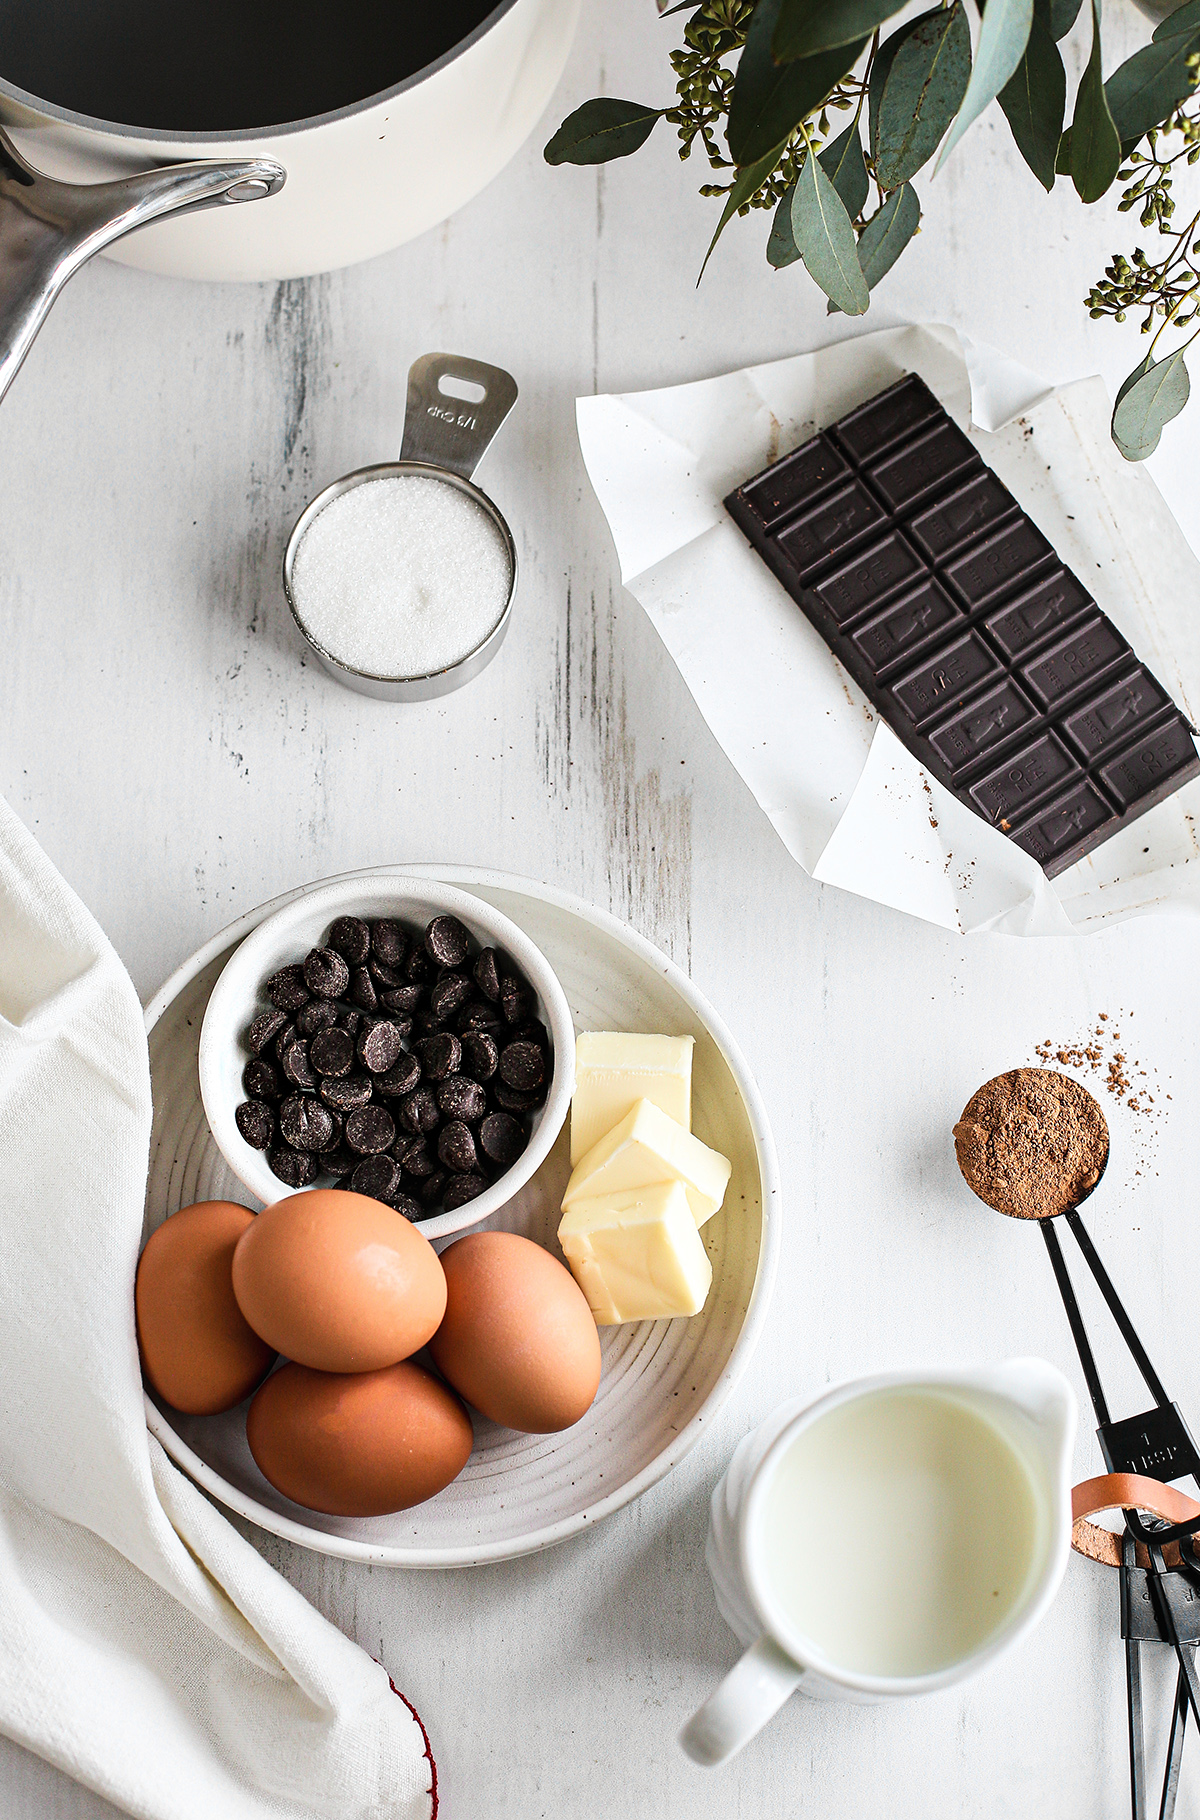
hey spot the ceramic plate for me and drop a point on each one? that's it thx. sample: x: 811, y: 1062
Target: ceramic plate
x: 662, y: 1380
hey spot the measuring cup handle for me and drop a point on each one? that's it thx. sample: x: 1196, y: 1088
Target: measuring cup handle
x: 445, y: 428
x: 750, y: 1694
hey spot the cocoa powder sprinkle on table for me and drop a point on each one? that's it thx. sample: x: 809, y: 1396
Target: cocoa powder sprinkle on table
x: 1032, y: 1143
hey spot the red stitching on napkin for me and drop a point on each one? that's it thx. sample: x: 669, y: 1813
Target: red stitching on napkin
x: 433, y: 1788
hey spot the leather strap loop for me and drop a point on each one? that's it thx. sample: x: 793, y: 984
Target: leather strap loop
x: 1125, y: 1491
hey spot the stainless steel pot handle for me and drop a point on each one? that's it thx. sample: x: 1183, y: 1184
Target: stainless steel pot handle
x: 48, y: 229
x: 450, y: 428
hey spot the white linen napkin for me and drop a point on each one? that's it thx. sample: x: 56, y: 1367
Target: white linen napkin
x: 145, y: 1648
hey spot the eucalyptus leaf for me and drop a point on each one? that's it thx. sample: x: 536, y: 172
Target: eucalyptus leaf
x: 1157, y: 393
x: 922, y: 94
x: 1181, y: 23
x: 1002, y: 40
x: 806, y: 27
x: 842, y: 162
x: 1151, y: 84
x: 600, y: 130
x: 822, y: 231
x: 1095, y: 142
x: 1063, y: 14
x: 1062, y: 162
x: 1035, y: 100
x: 781, y: 242
x: 769, y: 99
x: 1143, y: 366
x: 881, y: 69
x: 886, y: 235
x: 746, y: 183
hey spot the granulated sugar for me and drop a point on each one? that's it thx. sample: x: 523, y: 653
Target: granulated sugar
x: 401, y: 577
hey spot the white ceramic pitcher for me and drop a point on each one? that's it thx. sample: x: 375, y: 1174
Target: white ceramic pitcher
x: 1034, y: 1408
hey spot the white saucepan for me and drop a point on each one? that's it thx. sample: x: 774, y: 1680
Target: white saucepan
x: 351, y: 128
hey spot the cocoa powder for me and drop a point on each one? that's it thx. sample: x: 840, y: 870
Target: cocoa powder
x: 1032, y: 1143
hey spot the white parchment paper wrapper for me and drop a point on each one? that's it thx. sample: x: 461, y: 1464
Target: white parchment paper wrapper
x: 847, y: 799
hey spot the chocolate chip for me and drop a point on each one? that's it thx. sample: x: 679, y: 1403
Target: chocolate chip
x: 287, y: 990
x: 266, y: 1025
x: 425, y: 1024
x: 522, y: 1067
x: 516, y: 1000
x: 260, y: 1080
x: 431, y: 1188
x: 478, y: 1016
x: 487, y: 974
x: 337, y: 1137
x: 351, y: 937
x: 388, y: 943
x: 370, y: 1130
x: 418, y: 967
x: 439, y: 1055
x: 295, y: 1167
x: 331, y: 1053
x: 531, y: 1031
x: 295, y: 1064
x: 339, y: 1163
x: 377, y: 1176
x: 256, y: 1122
x: 405, y: 1205
x: 513, y: 1101
x: 416, y: 1159
x: 502, y: 1138
x: 480, y: 1055
x: 362, y: 989
x: 447, y: 941
x: 305, y: 1123
x: 458, y: 1098
x: 405, y: 999
x: 379, y: 1047
x: 448, y: 994
x: 456, y: 1148
x: 351, y: 1021
x: 461, y: 1189
x: 318, y: 1014
x: 386, y: 978
x: 326, y: 973
x: 346, y: 1095
x: 418, y: 1112
x: 284, y: 1040
x: 401, y: 1078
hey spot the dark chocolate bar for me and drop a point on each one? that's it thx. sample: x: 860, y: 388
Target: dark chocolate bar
x: 951, y: 611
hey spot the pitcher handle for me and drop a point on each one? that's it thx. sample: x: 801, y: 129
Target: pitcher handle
x: 48, y: 228
x: 751, y: 1693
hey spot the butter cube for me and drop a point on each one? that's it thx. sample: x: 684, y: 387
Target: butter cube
x: 613, y: 1071
x: 648, y: 1147
x: 637, y: 1256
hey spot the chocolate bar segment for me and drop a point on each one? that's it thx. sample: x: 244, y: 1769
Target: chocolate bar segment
x: 950, y: 609
x: 1035, y: 615
x: 839, y: 521
x: 1004, y: 794
x: 910, y: 622
x: 922, y: 467
x: 797, y: 479
x: 943, y: 529
x: 868, y: 578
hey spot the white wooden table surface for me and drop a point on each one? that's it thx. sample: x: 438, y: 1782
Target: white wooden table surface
x: 179, y: 762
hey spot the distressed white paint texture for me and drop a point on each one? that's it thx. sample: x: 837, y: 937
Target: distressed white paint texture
x: 179, y: 763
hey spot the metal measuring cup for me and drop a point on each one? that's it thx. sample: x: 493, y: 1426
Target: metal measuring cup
x: 444, y: 439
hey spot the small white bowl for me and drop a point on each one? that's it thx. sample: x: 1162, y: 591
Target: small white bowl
x: 302, y: 924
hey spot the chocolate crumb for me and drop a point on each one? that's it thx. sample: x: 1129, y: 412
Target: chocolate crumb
x: 1032, y: 1143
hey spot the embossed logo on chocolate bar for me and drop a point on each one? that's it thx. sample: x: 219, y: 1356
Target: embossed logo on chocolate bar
x: 907, y: 624
x: 956, y: 669
x: 1113, y: 716
x: 1036, y: 614
x: 868, y: 578
x: 1004, y: 793
x: 1087, y: 652
x: 829, y: 527
x: 981, y: 727
x: 998, y: 561
x: 1156, y: 758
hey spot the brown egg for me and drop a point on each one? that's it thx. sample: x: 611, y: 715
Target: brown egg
x: 198, y: 1352
x: 358, y: 1444
x: 338, y: 1281
x: 518, y: 1339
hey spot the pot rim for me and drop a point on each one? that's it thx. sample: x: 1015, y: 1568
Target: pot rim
x: 254, y: 134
